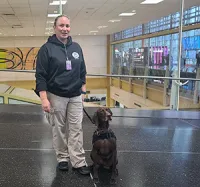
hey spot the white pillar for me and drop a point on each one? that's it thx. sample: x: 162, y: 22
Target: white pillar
x: 177, y: 74
x: 60, y: 9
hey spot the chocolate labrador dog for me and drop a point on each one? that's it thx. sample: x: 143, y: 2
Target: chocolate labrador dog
x: 104, y: 151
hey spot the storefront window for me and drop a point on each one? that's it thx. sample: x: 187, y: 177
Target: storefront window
x: 197, y: 32
x: 128, y: 33
x: 191, y: 33
x: 174, y: 50
x: 198, y: 14
x: 116, y: 58
x: 160, y: 47
x: 117, y: 36
x: 153, y: 26
x: 190, y: 46
x: 167, y: 40
x: 137, y: 31
x: 191, y: 16
x: 146, y: 42
x: 126, y: 56
x: 146, y: 28
x: 175, y: 20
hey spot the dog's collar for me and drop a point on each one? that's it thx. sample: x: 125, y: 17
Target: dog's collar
x: 99, y: 132
x: 103, y: 131
x: 103, y: 134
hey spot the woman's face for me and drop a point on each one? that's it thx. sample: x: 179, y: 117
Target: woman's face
x: 62, y: 28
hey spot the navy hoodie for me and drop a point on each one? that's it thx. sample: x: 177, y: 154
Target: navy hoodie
x: 51, y: 72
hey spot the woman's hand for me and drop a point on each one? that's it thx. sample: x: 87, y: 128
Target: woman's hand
x: 46, y: 105
x: 83, y: 97
x: 45, y: 102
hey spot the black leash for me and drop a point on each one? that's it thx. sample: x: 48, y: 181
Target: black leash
x: 88, y: 115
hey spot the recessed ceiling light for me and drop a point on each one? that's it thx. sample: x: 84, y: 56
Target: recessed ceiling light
x: 101, y: 27
x: 58, y: 3
x: 79, y: 34
x: 114, y: 20
x: 53, y: 15
x: 31, y: 35
x: 127, y: 14
x: 151, y: 1
x: 94, y: 31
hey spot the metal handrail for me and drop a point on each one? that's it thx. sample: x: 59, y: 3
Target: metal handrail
x: 118, y: 76
x: 143, y: 77
x: 18, y: 70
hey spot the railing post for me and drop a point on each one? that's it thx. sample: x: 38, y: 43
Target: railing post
x: 119, y: 78
x: 146, y: 73
x: 109, y: 54
x: 197, y: 88
x: 130, y: 79
x: 174, y: 92
x: 130, y: 85
x: 166, y: 85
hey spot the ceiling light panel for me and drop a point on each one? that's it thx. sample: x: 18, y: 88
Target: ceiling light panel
x: 114, y: 20
x: 151, y: 1
x: 53, y: 15
x: 93, y: 31
x: 127, y: 14
x: 58, y: 3
x: 101, y: 27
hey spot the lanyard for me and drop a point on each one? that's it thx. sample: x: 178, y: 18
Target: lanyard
x: 66, y: 52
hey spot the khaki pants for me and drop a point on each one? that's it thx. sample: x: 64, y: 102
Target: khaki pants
x: 66, y: 120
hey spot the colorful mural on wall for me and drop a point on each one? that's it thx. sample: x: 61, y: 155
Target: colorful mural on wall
x: 18, y: 58
x: 15, y: 89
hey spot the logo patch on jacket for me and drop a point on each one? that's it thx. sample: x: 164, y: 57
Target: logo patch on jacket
x: 75, y: 55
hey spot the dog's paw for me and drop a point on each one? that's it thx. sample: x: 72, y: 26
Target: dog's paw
x: 96, y: 180
x: 113, y: 181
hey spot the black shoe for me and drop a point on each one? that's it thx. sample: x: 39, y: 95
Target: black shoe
x: 63, y: 166
x: 84, y: 170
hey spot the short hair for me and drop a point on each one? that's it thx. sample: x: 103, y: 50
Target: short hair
x: 56, y: 19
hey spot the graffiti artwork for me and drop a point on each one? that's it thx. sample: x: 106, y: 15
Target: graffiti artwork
x: 18, y: 58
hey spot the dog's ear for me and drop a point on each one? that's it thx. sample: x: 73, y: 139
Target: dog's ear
x: 95, y: 119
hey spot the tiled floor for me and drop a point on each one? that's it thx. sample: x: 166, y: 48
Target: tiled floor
x: 152, y: 152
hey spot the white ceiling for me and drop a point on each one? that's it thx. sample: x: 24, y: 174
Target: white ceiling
x: 85, y: 15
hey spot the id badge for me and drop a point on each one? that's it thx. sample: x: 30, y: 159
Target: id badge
x: 68, y: 65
